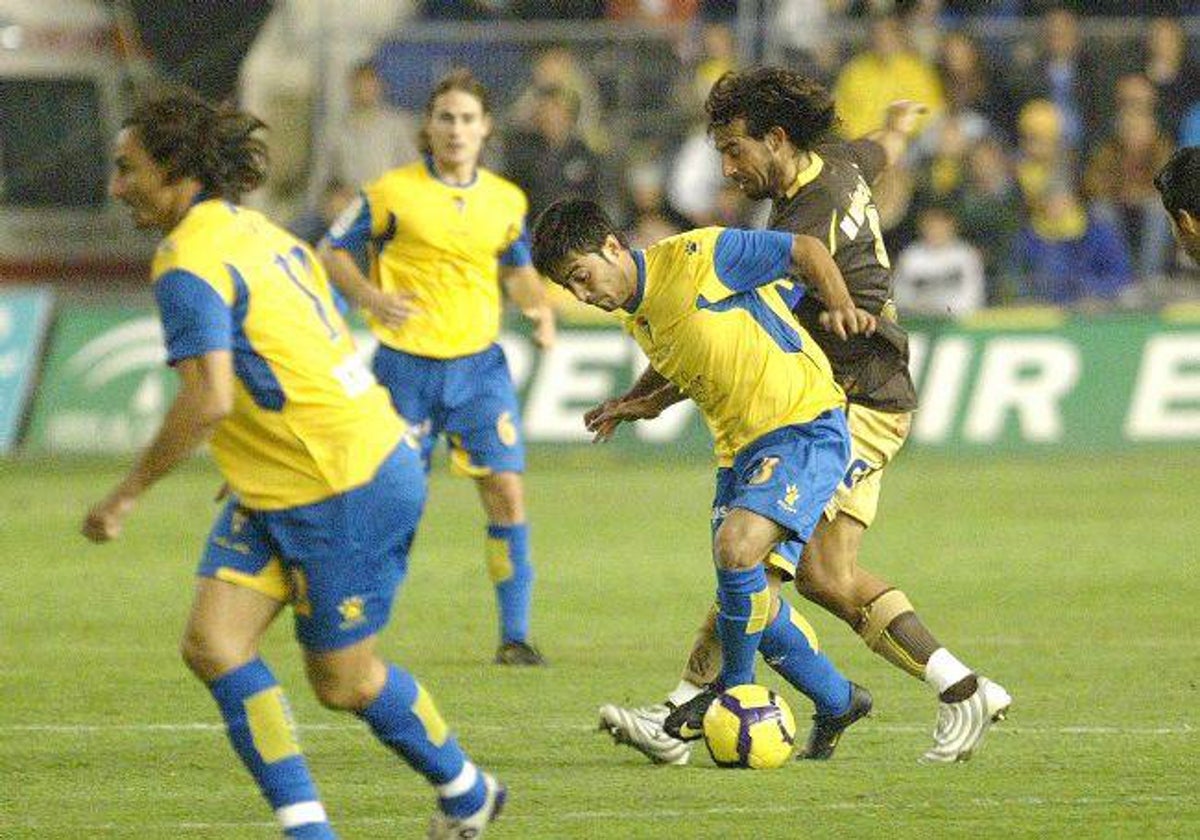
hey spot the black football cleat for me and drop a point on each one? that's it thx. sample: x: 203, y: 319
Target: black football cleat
x: 686, y: 721
x: 827, y: 729
x: 519, y: 653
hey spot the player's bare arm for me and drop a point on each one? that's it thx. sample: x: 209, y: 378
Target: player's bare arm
x: 815, y: 264
x: 648, y: 397
x: 900, y: 123
x: 392, y: 309
x: 205, y: 398
x: 524, y: 287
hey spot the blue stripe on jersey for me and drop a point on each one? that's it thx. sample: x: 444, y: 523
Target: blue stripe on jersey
x: 249, y: 366
x: 639, y: 262
x: 352, y: 229
x: 195, y: 320
x: 791, y: 293
x: 745, y: 259
x: 781, y: 332
x: 519, y: 253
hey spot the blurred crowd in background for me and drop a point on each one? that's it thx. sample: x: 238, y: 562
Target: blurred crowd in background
x: 1030, y: 182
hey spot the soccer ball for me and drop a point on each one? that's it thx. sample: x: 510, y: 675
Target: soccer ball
x: 749, y: 726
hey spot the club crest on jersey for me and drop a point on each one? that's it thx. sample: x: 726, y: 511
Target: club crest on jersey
x: 460, y: 204
x: 691, y: 248
x: 788, y: 502
x: 766, y: 469
x: 353, y: 611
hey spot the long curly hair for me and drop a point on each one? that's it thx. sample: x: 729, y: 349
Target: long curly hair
x: 766, y: 97
x: 190, y: 137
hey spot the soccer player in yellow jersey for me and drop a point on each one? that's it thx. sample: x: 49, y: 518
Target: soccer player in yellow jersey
x: 774, y: 131
x: 444, y: 235
x: 326, y: 485
x: 709, y: 310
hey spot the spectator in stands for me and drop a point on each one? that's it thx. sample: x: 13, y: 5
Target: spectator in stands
x: 1061, y: 71
x: 559, y: 66
x: 718, y: 55
x: 552, y: 161
x: 649, y: 217
x: 888, y: 70
x: 966, y: 80
x: 312, y: 224
x: 1175, y: 77
x: 372, y: 138
x: 695, y: 181
x: 1042, y: 156
x: 1068, y: 257
x: 940, y: 275
x: 1120, y: 182
x: 989, y: 213
x: 801, y: 29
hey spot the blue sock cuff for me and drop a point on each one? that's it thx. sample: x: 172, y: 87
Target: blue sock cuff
x: 741, y: 581
x: 242, y: 682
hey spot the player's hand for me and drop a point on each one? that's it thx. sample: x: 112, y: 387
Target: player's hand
x: 105, y: 520
x: 847, y: 320
x: 602, y: 421
x: 391, y: 309
x: 904, y: 115
x: 545, y: 330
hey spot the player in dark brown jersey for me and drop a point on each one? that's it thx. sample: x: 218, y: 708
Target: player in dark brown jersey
x: 774, y: 130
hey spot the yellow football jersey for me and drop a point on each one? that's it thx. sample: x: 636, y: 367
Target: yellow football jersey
x: 309, y: 420
x: 443, y: 245
x: 713, y: 319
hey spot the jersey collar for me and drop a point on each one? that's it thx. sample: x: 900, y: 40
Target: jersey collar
x: 807, y: 175
x: 639, y: 260
x: 432, y: 170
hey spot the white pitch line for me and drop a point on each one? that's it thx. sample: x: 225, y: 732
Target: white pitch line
x: 643, y: 814
x: 1005, y: 728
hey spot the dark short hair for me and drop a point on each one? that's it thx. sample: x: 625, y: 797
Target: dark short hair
x: 569, y: 226
x: 766, y: 97
x: 1178, y: 182
x: 190, y: 137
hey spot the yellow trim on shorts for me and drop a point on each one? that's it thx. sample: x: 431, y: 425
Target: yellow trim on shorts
x: 460, y: 460
x: 270, y: 581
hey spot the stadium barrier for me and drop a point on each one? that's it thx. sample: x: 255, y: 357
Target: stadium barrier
x: 999, y: 383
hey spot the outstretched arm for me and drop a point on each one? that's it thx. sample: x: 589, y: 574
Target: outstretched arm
x: 652, y: 394
x: 205, y: 398
x: 815, y: 264
x: 899, y: 125
x: 527, y: 291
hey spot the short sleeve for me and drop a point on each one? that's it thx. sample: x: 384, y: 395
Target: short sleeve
x: 747, y: 259
x: 352, y: 229
x: 519, y: 252
x: 869, y: 156
x: 194, y: 317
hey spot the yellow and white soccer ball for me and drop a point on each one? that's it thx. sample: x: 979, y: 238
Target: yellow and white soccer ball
x: 750, y: 726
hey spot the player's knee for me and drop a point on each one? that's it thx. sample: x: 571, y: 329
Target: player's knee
x: 732, y: 553
x: 210, y: 657
x: 344, y: 693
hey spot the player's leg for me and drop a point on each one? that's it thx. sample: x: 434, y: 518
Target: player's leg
x: 483, y: 426
x: 775, y: 490
x: 413, y: 384
x: 238, y: 594
x: 352, y: 574
x: 404, y: 717
x: 881, y: 614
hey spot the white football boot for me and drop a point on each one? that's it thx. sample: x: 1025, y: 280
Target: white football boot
x: 642, y: 729
x: 962, y: 725
x: 445, y: 827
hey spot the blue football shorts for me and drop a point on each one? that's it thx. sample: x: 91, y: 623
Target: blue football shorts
x: 788, y: 476
x: 470, y: 399
x: 337, y: 561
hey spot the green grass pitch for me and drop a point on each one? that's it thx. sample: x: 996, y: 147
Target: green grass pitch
x: 1071, y: 579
